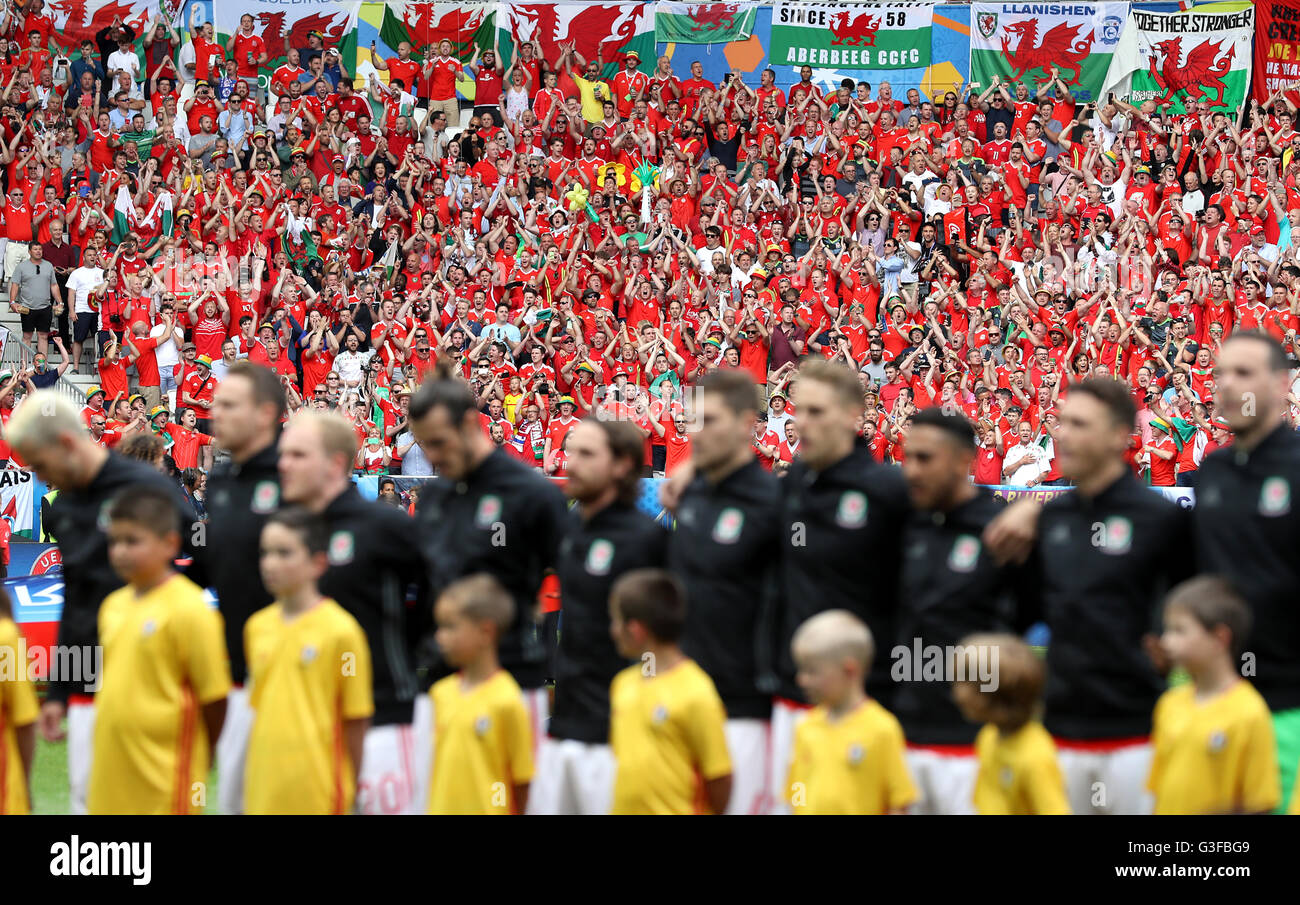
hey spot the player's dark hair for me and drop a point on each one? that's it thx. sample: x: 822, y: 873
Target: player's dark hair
x: 150, y: 507
x: 626, y: 442
x: 736, y: 389
x: 1112, y: 394
x: 267, y: 389
x: 1212, y: 601
x: 307, y: 525
x: 1276, y: 357
x: 147, y: 448
x: 653, y: 597
x: 444, y: 392
x: 956, y: 426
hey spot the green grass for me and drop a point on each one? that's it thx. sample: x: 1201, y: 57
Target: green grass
x: 50, y: 780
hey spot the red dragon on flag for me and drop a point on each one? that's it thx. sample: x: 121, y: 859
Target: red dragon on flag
x: 860, y: 31
x: 714, y: 17
x: 590, y: 27
x: 425, y: 28
x: 1203, y: 70
x: 79, y: 20
x: 272, y: 29
x: 1060, y: 47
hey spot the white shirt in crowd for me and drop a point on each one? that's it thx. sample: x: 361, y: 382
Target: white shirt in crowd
x: 1035, y: 463
x: 82, y: 282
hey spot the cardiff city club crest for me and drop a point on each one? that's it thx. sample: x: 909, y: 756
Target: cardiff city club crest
x: 1110, y: 27
x: 988, y: 24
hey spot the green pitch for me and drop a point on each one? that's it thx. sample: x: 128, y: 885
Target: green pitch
x: 50, y: 780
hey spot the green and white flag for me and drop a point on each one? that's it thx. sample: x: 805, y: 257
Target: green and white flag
x: 123, y: 215
x: 704, y: 23
x: 1204, y: 53
x: 468, y: 26
x: 891, y: 38
x: 1023, y: 42
x: 162, y: 210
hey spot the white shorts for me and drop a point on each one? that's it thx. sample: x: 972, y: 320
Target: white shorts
x: 1107, y: 782
x: 749, y: 742
x: 14, y: 254
x: 422, y: 729
x: 232, y: 751
x: 387, y: 783
x: 572, y: 778
x: 945, y: 783
x: 785, y: 717
x: 81, y: 748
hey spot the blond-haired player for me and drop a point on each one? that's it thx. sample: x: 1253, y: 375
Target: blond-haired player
x: 1018, y: 772
x: 309, y: 668
x: 483, y: 744
x: 848, y: 753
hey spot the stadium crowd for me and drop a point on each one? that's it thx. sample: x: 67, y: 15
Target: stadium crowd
x: 591, y: 246
x: 587, y: 244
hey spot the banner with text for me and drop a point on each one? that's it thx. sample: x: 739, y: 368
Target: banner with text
x: 871, y: 42
x: 1277, y: 47
x: 16, y: 500
x: 704, y: 23
x: 1204, y: 54
x: 1025, y: 41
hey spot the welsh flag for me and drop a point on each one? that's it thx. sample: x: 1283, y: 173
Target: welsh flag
x: 124, y: 218
x: 162, y: 208
x: 468, y: 26
x: 704, y: 23
x: 274, y: 20
x: 614, y: 29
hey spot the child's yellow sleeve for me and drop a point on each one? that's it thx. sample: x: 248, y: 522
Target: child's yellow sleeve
x: 1261, y: 788
x: 17, y: 697
x: 1045, y: 786
x: 704, y: 731
x: 519, y: 741
x: 901, y: 791
x: 796, y: 780
x: 206, y: 664
x: 357, y: 691
x: 1157, y: 760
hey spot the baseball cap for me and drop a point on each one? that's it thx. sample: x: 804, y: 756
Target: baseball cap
x: 1257, y: 230
x: 188, y: 346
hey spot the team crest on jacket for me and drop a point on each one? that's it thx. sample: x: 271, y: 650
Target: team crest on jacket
x: 852, y: 511
x: 342, y: 548
x: 965, y: 553
x: 1275, y: 497
x: 730, y: 523
x: 856, y: 754
x: 489, y: 511
x: 1119, y: 535
x: 1218, y: 741
x: 308, y: 654
x: 600, y: 555
x: 266, y: 496
x: 482, y: 725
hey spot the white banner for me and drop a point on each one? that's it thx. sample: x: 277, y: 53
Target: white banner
x: 16, y: 499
